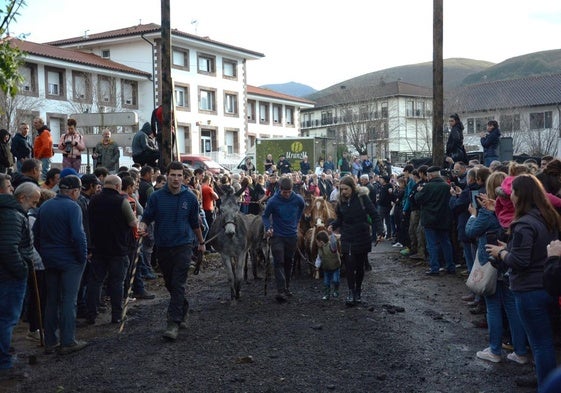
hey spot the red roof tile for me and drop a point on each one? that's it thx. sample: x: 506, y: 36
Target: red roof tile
x: 73, y: 56
x: 145, y: 29
x: 274, y: 94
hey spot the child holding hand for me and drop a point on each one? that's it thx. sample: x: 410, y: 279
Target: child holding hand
x: 329, y: 260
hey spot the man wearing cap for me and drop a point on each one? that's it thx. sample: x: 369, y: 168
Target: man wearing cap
x: 61, y: 241
x: 111, y: 218
x: 436, y: 218
x: 16, y: 255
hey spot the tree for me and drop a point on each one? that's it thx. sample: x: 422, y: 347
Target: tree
x: 10, y: 57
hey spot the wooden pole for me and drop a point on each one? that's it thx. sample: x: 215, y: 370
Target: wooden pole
x: 437, y: 85
x: 166, y: 88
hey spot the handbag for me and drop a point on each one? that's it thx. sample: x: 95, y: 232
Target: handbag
x: 482, y: 279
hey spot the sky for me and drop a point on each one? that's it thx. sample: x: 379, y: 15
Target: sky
x: 319, y: 43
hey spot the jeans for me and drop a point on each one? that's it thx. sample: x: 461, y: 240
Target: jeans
x: 73, y: 163
x: 437, y: 240
x: 283, y: 250
x: 469, y: 254
x: 331, y: 276
x: 503, y: 298
x: 534, y: 308
x: 60, y: 311
x: 115, y: 269
x: 12, y: 293
x: 384, y: 213
x: 174, y: 263
x: 46, y: 166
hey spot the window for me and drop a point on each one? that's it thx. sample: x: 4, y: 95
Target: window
x: 106, y: 90
x: 129, y: 93
x: 263, y: 112
x: 384, y: 110
x: 409, y: 108
x: 289, y: 116
x: 509, y: 122
x: 326, y: 118
x: 230, y: 104
x: 207, y: 100
x: 81, y: 86
x: 180, y: 58
x: 29, y: 74
x: 540, y: 120
x: 230, y: 69
x: 277, y: 114
x: 348, y: 115
x: 206, y: 64
x: 181, y: 96
x: 183, y: 139
x: 54, y: 83
x: 231, y: 141
x: 251, y: 111
x: 106, y: 53
x: 57, y: 124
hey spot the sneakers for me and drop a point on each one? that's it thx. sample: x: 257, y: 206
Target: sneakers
x: 397, y: 245
x: 172, y: 331
x: 74, y: 347
x: 405, y: 252
x: 33, y: 336
x: 468, y: 298
x: 520, y: 359
x: 486, y: 354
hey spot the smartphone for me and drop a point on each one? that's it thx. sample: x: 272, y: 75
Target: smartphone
x: 491, y: 238
x: 474, y: 195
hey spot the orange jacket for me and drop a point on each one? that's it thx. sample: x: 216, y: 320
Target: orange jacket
x: 43, y: 145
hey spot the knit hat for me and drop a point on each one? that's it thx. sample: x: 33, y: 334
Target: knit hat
x: 68, y: 171
x: 146, y: 128
x: 89, y: 179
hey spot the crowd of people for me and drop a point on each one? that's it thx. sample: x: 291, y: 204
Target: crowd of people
x: 66, y: 253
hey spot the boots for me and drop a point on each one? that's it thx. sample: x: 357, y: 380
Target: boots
x: 326, y: 292
x: 172, y: 331
x: 336, y: 289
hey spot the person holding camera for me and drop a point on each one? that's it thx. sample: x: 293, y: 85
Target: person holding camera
x: 72, y: 144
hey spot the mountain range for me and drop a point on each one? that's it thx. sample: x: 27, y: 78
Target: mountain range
x: 457, y: 72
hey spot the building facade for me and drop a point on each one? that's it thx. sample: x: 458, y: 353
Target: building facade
x: 391, y: 120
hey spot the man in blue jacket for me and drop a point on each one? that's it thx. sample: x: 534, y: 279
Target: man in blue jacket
x: 280, y: 218
x: 175, y: 211
x: 61, y: 240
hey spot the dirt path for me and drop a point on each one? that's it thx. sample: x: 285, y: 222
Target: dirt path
x: 305, y: 345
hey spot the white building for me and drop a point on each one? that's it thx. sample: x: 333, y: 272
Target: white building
x: 391, y: 119
x: 217, y: 114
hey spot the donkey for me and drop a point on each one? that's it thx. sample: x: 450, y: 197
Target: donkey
x: 229, y: 236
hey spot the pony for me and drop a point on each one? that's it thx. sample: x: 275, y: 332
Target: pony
x: 229, y: 236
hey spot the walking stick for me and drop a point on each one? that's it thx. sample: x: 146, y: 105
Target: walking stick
x: 38, y: 303
x: 134, y: 264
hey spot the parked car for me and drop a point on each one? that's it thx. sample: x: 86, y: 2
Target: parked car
x: 204, y: 162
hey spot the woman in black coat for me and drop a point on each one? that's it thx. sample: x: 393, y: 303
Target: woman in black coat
x: 455, y: 144
x: 353, y: 209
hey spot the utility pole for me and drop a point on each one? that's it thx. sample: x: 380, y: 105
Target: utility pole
x: 437, y: 85
x: 166, y: 151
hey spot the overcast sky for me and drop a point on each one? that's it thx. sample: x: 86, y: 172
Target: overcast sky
x: 319, y: 42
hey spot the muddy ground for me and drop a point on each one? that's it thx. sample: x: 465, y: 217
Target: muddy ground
x: 305, y: 345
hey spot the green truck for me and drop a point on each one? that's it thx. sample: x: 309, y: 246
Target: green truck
x: 294, y: 149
